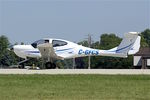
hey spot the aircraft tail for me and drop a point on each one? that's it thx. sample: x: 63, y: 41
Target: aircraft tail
x: 130, y: 44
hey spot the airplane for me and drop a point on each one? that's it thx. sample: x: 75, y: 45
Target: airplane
x: 51, y: 49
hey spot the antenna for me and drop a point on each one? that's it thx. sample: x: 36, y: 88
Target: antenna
x: 89, y: 57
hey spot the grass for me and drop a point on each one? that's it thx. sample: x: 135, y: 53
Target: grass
x: 74, y: 87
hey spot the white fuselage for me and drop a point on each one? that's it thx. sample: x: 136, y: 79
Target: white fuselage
x: 70, y: 50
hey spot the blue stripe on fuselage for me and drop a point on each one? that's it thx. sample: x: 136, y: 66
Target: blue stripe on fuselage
x: 55, y: 51
x: 63, y: 49
x: 122, y: 48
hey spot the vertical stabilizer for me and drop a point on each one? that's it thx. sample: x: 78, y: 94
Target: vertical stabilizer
x: 131, y: 41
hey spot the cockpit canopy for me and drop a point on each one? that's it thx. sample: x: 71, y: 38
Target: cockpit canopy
x: 56, y: 43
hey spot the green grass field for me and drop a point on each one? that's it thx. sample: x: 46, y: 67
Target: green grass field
x: 74, y: 87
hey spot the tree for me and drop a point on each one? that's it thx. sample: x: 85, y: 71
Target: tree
x: 3, y: 44
x: 84, y: 43
x: 7, y: 57
x: 3, y: 48
x: 145, y: 42
x: 108, y: 41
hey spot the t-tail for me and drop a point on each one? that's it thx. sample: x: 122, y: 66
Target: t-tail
x: 128, y: 46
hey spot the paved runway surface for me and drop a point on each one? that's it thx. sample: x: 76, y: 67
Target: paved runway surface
x: 77, y: 71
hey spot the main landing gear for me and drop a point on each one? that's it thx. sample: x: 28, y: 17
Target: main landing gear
x: 21, y: 64
x: 49, y: 65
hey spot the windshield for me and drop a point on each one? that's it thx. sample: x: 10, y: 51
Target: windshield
x: 36, y: 43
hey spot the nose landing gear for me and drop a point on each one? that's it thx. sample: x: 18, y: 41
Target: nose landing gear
x: 21, y: 64
x: 48, y: 65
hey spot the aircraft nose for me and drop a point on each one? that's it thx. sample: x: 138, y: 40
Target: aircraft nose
x: 16, y: 48
x: 10, y: 48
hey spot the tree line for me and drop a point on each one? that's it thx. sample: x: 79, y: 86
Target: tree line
x: 107, y: 41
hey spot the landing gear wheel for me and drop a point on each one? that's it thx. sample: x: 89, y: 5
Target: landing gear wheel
x: 53, y: 66
x: 21, y: 66
x: 50, y: 65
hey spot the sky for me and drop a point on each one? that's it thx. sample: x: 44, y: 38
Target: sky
x: 29, y: 20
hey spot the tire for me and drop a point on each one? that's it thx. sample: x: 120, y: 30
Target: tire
x: 53, y: 66
x: 50, y: 65
x: 21, y: 66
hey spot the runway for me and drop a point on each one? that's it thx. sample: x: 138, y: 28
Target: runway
x: 78, y: 71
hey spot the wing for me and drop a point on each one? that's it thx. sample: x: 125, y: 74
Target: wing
x: 47, y: 51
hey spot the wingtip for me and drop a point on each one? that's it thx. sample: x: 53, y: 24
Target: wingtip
x: 129, y: 34
x: 135, y: 33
